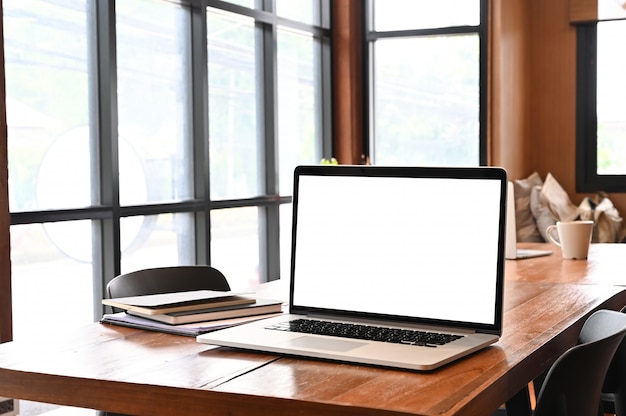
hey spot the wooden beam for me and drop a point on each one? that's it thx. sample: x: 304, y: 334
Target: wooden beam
x: 583, y: 11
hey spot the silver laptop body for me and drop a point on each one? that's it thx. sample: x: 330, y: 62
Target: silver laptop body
x: 407, y: 248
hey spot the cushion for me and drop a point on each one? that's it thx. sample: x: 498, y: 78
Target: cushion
x: 526, y: 228
x: 609, y: 225
x: 540, y: 211
x: 557, y: 200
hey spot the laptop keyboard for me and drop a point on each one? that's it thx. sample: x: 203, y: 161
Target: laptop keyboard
x: 366, y: 332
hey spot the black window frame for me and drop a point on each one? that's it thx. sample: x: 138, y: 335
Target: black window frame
x: 370, y: 36
x: 587, y: 177
x: 106, y: 214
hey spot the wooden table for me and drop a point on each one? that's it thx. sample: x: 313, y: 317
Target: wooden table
x: 145, y: 373
x: 605, y: 264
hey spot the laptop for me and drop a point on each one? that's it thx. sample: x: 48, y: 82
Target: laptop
x: 512, y: 251
x: 399, y: 267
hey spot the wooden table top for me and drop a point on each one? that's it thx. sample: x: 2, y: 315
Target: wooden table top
x: 605, y: 264
x: 147, y: 373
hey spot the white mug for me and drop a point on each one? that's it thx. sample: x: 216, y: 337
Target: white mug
x: 573, y: 237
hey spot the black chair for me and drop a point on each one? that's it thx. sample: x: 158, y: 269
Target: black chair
x: 165, y: 280
x: 573, y: 384
x: 614, y: 388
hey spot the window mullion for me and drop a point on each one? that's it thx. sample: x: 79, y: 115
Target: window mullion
x: 483, y: 153
x: 105, y: 181
x: 267, y: 114
x: 323, y: 113
x: 200, y: 132
x: 586, y: 135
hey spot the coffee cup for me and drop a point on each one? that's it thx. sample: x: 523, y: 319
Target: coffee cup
x: 574, y: 237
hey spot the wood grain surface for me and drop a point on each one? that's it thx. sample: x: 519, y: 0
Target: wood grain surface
x: 147, y: 373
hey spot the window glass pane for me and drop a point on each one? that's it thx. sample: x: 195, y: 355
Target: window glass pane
x: 50, y: 273
x: 233, y: 144
x: 425, y: 14
x: 156, y: 241
x: 153, y: 74
x: 611, y: 98
x: 427, y: 101
x: 306, y: 11
x: 298, y: 104
x: 59, y: 186
x: 63, y: 181
x: 45, y: 45
x: 235, y: 245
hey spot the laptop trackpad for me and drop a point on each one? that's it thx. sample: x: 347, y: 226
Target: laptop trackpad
x: 324, y: 344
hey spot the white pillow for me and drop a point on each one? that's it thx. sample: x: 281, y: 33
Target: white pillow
x: 557, y: 200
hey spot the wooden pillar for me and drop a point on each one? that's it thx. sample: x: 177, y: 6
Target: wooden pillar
x: 510, y: 87
x: 347, y: 68
x: 6, y: 332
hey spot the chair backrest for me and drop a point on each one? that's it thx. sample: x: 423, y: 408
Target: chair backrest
x: 574, y: 382
x: 614, y: 389
x: 165, y: 280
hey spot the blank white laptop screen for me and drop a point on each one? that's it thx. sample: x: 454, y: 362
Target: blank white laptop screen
x: 412, y: 247
x: 389, y: 250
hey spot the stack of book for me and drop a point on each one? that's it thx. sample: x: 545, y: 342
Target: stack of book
x: 201, y: 310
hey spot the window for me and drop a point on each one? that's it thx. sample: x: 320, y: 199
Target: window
x: 146, y: 133
x: 601, y: 98
x: 427, y: 63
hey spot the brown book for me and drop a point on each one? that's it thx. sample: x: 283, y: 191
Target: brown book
x: 260, y: 307
x: 180, y: 301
